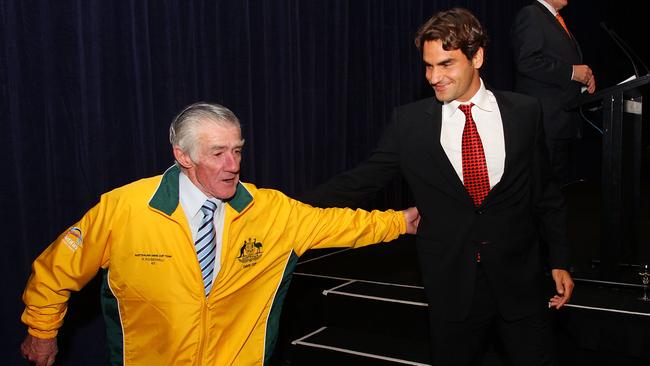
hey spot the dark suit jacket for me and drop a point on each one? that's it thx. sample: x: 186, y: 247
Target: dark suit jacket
x: 524, y: 207
x: 544, y: 55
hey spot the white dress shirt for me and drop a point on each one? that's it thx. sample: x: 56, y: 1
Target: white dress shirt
x: 487, y: 117
x: 548, y: 6
x: 192, y: 199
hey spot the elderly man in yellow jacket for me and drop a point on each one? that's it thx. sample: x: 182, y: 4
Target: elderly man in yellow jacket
x: 196, y: 263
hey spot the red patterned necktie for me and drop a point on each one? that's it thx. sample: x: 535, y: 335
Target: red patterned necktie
x: 475, y: 174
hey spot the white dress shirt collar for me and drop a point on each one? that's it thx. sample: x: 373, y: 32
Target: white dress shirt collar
x: 481, y: 100
x: 192, y: 199
x: 548, y: 6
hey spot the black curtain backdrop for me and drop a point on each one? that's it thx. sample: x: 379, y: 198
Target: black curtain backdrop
x: 88, y: 89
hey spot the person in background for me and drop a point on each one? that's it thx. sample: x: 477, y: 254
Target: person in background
x: 549, y: 66
x: 475, y: 160
x: 195, y: 263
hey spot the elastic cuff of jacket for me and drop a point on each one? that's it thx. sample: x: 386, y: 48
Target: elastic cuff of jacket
x: 402, y: 225
x: 42, y: 334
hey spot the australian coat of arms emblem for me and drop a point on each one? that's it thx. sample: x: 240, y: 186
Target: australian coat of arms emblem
x: 250, y: 251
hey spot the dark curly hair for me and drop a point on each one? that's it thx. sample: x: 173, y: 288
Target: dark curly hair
x: 456, y: 28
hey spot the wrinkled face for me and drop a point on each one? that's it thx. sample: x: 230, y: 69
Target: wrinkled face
x: 557, y: 4
x: 218, y: 155
x: 450, y: 73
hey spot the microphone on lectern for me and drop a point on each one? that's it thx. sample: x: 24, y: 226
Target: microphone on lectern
x: 627, y: 50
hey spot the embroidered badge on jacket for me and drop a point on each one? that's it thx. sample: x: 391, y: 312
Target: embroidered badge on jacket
x: 250, y: 252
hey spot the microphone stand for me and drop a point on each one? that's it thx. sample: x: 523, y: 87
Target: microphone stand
x: 627, y: 50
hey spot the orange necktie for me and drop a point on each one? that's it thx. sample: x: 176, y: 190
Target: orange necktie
x: 561, y: 20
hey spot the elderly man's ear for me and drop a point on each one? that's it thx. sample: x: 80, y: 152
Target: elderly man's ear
x: 183, y: 158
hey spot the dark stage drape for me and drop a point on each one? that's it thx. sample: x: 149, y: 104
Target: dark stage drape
x: 88, y: 89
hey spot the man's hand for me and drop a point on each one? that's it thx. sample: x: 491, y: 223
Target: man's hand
x: 584, y: 75
x: 39, y: 351
x: 563, y: 285
x: 412, y: 218
x: 591, y: 84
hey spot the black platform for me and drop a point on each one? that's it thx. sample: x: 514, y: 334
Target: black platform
x: 367, y: 307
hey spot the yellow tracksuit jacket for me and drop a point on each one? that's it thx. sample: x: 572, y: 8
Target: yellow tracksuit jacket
x: 153, y: 299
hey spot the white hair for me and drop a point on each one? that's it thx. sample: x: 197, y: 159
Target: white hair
x: 183, y: 130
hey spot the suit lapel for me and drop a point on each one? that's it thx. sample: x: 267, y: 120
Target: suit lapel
x: 556, y: 24
x: 510, y: 139
x: 432, y: 127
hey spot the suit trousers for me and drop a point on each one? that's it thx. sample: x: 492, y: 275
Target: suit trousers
x: 526, y: 342
x: 559, y: 155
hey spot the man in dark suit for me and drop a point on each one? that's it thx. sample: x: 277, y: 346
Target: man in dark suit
x: 549, y: 67
x: 487, y: 201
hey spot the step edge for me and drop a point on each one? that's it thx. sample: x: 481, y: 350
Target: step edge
x: 357, y: 280
x: 357, y: 353
x: 376, y: 298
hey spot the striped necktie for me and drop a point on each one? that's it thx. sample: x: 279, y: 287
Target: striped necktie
x: 205, y: 244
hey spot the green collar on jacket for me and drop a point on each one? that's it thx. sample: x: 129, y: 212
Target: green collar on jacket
x: 166, y: 197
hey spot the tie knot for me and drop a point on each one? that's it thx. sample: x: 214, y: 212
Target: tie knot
x: 466, y: 108
x: 208, y: 207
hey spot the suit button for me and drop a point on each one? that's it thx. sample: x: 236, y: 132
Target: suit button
x: 479, y: 212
